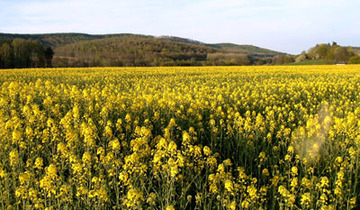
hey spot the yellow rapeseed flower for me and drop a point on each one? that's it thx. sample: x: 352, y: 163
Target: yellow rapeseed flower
x: 229, y: 186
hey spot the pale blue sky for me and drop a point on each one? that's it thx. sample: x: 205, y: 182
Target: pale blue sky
x: 284, y: 25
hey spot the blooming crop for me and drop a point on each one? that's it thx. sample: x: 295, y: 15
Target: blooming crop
x: 265, y: 137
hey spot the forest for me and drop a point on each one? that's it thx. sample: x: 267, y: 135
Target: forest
x: 21, y: 53
x: 329, y: 54
x: 84, y: 50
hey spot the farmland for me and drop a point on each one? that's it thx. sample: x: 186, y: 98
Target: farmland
x: 264, y: 137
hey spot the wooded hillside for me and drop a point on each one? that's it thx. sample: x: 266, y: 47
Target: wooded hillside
x: 75, y: 49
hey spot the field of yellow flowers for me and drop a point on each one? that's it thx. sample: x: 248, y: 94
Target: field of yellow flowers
x: 265, y: 137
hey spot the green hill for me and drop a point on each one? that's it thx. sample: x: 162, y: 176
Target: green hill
x: 247, y: 49
x: 77, y: 49
x: 131, y: 51
x: 60, y: 39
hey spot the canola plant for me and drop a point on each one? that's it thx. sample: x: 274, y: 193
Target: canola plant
x: 266, y: 137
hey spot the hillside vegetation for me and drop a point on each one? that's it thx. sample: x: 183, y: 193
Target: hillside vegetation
x: 131, y: 51
x: 85, y: 50
x: 75, y: 49
x: 329, y: 54
x: 20, y: 53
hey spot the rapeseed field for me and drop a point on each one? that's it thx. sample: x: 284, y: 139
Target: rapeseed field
x: 264, y: 137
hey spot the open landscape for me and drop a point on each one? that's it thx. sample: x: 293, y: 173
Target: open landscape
x: 266, y: 137
x: 179, y: 105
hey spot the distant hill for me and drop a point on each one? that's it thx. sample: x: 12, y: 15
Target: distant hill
x: 60, y: 39
x: 247, y: 49
x: 131, y: 51
x: 78, y: 49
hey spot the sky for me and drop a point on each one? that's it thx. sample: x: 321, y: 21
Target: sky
x: 289, y: 26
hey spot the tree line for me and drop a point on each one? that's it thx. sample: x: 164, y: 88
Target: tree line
x: 149, y: 51
x: 21, y: 53
x: 329, y: 54
x: 125, y: 50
